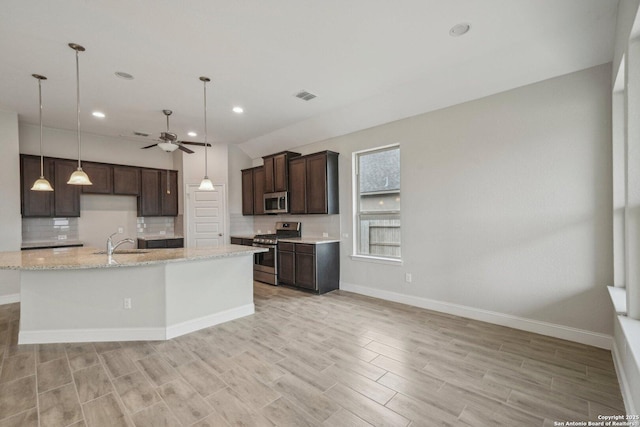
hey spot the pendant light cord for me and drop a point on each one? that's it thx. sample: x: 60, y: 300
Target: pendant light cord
x: 206, y: 166
x: 40, y: 99
x: 78, y: 104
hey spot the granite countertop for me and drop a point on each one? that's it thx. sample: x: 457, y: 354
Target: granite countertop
x: 160, y: 237
x: 309, y: 240
x: 81, y: 258
x: 50, y: 244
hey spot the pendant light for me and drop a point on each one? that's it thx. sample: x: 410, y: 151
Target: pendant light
x: 206, y: 183
x: 41, y: 183
x: 79, y: 177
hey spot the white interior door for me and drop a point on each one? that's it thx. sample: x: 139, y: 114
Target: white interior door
x: 205, y: 217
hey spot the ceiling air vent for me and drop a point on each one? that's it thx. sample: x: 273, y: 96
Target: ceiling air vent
x: 143, y: 134
x: 305, y: 96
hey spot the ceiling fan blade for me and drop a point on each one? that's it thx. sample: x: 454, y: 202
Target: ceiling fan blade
x: 185, y: 149
x: 149, y: 146
x: 201, y: 144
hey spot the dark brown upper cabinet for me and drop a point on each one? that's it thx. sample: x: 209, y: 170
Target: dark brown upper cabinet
x: 276, y: 171
x: 35, y: 203
x: 298, y: 185
x: 126, y: 180
x: 313, y: 184
x: 159, y: 198
x: 258, y: 191
x: 149, y: 201
x: 247, y: 191
x: 158, y: 193
x: 169, y: 193
x: 66, y: 196
x: 101, y: 175
x: 253, y: 191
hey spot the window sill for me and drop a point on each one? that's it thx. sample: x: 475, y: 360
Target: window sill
x: 377, y: 260
x: 619, y: 299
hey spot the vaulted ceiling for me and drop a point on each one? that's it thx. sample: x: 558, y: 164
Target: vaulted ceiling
x: 368, y: 61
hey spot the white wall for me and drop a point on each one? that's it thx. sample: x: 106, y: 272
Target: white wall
x: 10, y: 223
x: 238, y: 224
x: 506, y: 204
x: 64, y: 144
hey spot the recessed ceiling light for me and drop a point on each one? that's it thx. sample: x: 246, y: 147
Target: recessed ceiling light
x: 124, y: 75
x: 459, y: 29
x: 192, y: 134
x: 99, y: 114
x: 238, y: 109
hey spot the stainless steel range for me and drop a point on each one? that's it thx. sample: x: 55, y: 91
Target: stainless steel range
x: 265, y: 265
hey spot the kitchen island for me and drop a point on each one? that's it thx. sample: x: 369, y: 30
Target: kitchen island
x: 83, y: 295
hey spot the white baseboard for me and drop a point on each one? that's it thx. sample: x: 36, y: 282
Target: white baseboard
x: 9, y: 299
x: 625, y: 387
x: 133, y: 334
x: 210, y: 320
x: 91, y: 335
x: 544, y: 328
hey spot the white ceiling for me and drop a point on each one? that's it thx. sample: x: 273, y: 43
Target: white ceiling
x: 369, y: 61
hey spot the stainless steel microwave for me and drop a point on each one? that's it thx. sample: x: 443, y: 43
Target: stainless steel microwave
x: 276, y: 202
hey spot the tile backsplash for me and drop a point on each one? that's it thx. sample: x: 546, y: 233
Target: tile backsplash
x: 52, y: 229
x: 49, y: 229
x: 154, y: 226
x: 312, y: 225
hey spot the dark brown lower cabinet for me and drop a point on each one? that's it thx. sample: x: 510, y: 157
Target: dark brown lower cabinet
x: 241, y: 241
x: 174, y: 242
x: 314, y: 267
x: 286, y: 264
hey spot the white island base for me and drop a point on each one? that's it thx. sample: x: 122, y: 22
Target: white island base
x: 167, y: 300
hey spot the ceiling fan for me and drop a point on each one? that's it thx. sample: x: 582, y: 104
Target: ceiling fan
x: 169, y: 141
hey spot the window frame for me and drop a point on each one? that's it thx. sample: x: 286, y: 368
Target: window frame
x: 356, y: 255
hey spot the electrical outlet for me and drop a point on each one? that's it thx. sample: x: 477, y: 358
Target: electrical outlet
x: 127, y: 303
x: 325, y: 234
x: 408, y: 277
x: 120, y: 230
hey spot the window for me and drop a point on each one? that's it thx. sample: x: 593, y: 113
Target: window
x: 377, y: 202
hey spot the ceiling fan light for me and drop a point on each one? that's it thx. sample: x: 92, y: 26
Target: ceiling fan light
x: 41, y: 184
x: 206, y: 184
x: 167, y: 146
x: 79, y: 177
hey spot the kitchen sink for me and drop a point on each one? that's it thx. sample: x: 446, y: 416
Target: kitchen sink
x: 123, y: 252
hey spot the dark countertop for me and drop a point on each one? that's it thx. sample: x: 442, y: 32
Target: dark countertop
x: 50, y: 244
x: 160, y: 237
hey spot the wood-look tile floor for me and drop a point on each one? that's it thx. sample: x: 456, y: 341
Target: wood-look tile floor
x: 339, y: 359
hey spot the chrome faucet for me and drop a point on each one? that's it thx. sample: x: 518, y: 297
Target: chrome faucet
x: 111, y: 247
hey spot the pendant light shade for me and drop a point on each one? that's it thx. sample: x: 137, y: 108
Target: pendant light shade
x: 79, y: 177
x: 41, y: 183
x: 206, y: 183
